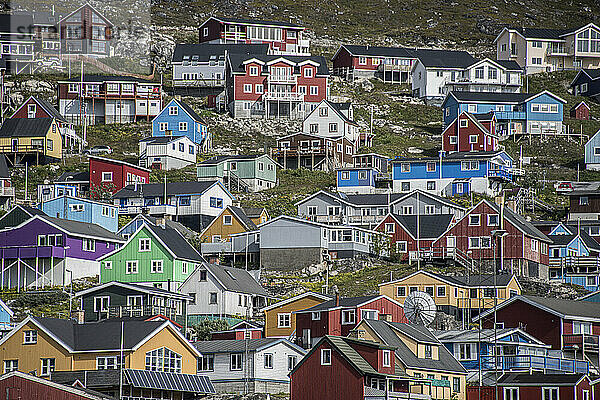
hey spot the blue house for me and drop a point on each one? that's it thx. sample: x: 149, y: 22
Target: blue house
x: 592, y: 152
x: 457, y: 173
x: 516, y: 113
x: 357, y: 180
x: 83, y: 210
x: 179, y: 119
x: 518, y: 350
x: 6, y: 315
x: 574, y: 257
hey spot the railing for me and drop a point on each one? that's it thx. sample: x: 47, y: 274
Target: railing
x: 142, y: 311
x: 234, y: 35
x: 517, y: 171
x: 365, y: 219
x: 583, y: 341
x: 445, y: 253
x: 293, y: 151
x: 500, y: 173
x: 575, y: 262
x: 161, y: 209
x: 372, y: 393
x: 559, y: 51
x: 287, y: 96
x: 531, y: 362
x: 327, y: 219
x: 21, y: 148
x: 511, y: 115
x: 290, y: 79
x: 393, y: 67
x: 200, y: 82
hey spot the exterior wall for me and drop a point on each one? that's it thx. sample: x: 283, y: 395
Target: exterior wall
x: 271, y: 328
x: 218, y: 228
x: 401, y: 235
x: 86, y: 44
x: 354, y: 183
x: 105, y: 215
x: 23, y: 110
x: 553, y: 120
x: 290, y: 258
x: 592, y: 161
x: 424, y: 201
x: 324, y: 122
x: 593, y: 86
x: 577, y: 209
x: 168, y: 339
x: 313, y: 381
x: 54, y: 151
x: 168, y: 156
x: 485, y: 141
x: 301, y: 150
x: 506, y: 38
x: 119, y: 174
x: 259, y: 173
x: 196, y: 131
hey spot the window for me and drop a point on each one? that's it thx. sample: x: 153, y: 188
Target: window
x: 474, y: 242
x: 479, y: 73
x: 76, y: 207
x: 308, y: 72
x: 584, y: 88
x: 212, y: 298
x: 314, y: 90
x: 345, y: 175
x: 348, y: 317
x: 292, y: 361
x: 144, y: 244
x: 185, y: 200
x: 386, y: 358
x: 111, y: 362
x: 431, y: 166
x: 107, y: 177
x: 456, y: 385
x: 89, y: 245
x: 469, y: 165
x: 413, y: 289
x: 191, y: 149
x: 405, y: 187
x: 428, y: 351
x: 206, y: 363
x: 369, y: 314
x: 489, y: 293
x: 492, y: 219
x: 511, y: 393
x: 431, y: 185
x: 389, y: 228
x: 402, y: 247
x: 472, y: 108
x: 429, y: 209
x: 227, y: 220
x: 30, y: 337
x: 464, y: 123
x: 583, y: 201
x: 492, y: 73
x: 401, y: 291
x: 405, y: 167
x: 315, y: 316
x: 247, y: 88
x: 550, y: 393
x: 284, y: 320
x: 205, y: 31
x: 11, y: 365
x: 107, y: 264
x: 157, y: 267
x: 465, y: 352
x: 253, y: 70
x: 48, y: 365
x: 261, y: 166
x: 333, y: 127
x: 216, y: 202
x: 268, y: 361
x: 173, y: 110
x: 163, y: 360
x: 536, y: 61
x: 101, y: 303
x: 473, y: 138
x: 235, y: 361
x: 183, y: 126
x: 582, y: 328
x: 362, y: 60
x: 259, y: 88
x: 441, y: 291
x: 429, y: 290
x: 474, y: 219
x: 325, y: 356
x: 131, y: 267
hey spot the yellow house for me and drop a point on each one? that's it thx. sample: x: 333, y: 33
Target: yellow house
x: 460, y: 296
x: 257, y: 215
x: 45, y: 345
x: 231, y: 221
x: 280, y: 319
x: 420, y: 355
x: 35, y: 140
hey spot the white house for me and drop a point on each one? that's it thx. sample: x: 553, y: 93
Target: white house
x: 223, y: 291
x: 263, y: 363
x: 505, y: 76
x: 167, y: 152
x: 331, y: 119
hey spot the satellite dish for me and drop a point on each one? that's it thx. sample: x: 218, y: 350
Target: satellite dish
x: 419, y: 308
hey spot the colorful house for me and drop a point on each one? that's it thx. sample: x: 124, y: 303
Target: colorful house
x: 344, y: 368
x: 360, y: 180
x: 338, y: 316
x: 83, y: 210
x: 155, y: 255
x: 312, y: 151
x: 471, y: 132
x: 543, y: 385
x: 216, y: 237
x: 280, y: 317
x: 34, y: 386
x: 459, y: 296
x: 587, y: 83
x: 179, y: 119
x: 457, y: 173
x: 283, y: 38
x: 240, y: 172
x: 167, y: 152
x: 592, y: 152
x: 241, y: 330
x: 258, y: 215
x: 36, y: 140
x: 330, y: 119
x: 516, y: 113
x: 580, y: 111
x: 17, y: 215
x: 418, y: 353
x: 86, y: 31
x: 47, y: 251
x: 6, y: 315
x: 113, y: 175
x: 7, y: 191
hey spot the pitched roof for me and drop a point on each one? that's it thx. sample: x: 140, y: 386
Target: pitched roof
x: 16, y: 23
x: 25, y: 127
x: 563, y: 240
x: 479, y: 280
x: 483, y: 335
x: 178, y: 226
x: 444, y: 58
x: 321, y: 296
x: 161, y: 139
x: 509, y: 64
x: 520, y: 223
x: 378, y: 51
x: 341, y: 109
x: 236, y: 279
x: 78, y: 228
x: 109, y: 78
x: 115, y: 161
x: 253, y: 212
x: 157, y: 189
x: 204, y: 52
x: 539, y: 378
x: 494, y: 97
x: 239, y: 346
x: 344, y: 302
x: 83, y: 176
x: 175, y: 242
x: 542, y: 33
x: 237, y: 61
x: 430, y: 226
x: 50, y: 109
x: 242, y: 218
x: 592, y: 73
x: 4, y: 172
x: 257, y: 22
x: 190, y: 111
x: 385, y: 331
x: 135, y: 287
x: 219, y: 159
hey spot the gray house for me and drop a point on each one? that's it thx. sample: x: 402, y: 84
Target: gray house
x: 368, y: 210
x: 592, y: 152
x: 203, y: 65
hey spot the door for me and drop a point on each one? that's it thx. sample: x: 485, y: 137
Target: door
x: 15, y: 145
x: 450, y: 245
x: 306, y: 338
x: 134, y: 304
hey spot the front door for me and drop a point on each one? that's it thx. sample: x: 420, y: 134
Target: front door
x: 450, y: 244
x: 15, y: 145
x: 306, y: 338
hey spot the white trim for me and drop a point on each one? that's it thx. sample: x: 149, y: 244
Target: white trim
x: 112, y: 161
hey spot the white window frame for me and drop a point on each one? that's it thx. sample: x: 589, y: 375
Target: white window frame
x: 107, y: 176
x: 478, y: 220
x: 142, y: 245
x: 156, y: 266
x: 345, y: 317
x: 326, y: 360
x: 134, y: 267
x: 281, y: 320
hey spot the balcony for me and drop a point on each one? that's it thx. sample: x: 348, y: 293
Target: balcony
x: 530, y: 362
x: 299, y: 151
x: 284, y: 96
x: 286, y: 79
x: 575, y: 264
x: 200, y: 82
x: 559, y: 51
x: 326, y: 219
x: 376, y: 394
x: 162, y: 209
x: 510, y: 115
x: 234, y: 36
x: 365, y: 219
x: 501, y: 174
x: 143, y: 311
x: 22, y: 148
x: 394, y: 67
x: 582, y: 341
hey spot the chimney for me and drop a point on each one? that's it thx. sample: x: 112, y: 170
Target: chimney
x: 160, y: 221
x: 79, y: 316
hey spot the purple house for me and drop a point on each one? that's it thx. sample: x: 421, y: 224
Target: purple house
x: 48, y: 251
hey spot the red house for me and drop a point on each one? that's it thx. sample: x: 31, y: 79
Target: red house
x: 349, y: 369
x: 569, y: 325
x: 471, y: 132
x: 580, y: 111
x: 241, y: 330
x: 269, y: 86
x: 340, y: 315
x: 114, y: 175
x: 523, y: 248
x: 85, y: 31
x: 282, y: 37
x: 544, y: 386
x: 406, y: 235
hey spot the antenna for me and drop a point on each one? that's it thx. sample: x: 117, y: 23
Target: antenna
x: 419, y: 308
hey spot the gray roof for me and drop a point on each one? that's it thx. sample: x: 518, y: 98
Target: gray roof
x: 98, y: 335
x: 109, y: 78
x: 492, y: 97
x: 341, y: 109
x: 509, y: 64
x: 458, y: 155
x: 237, y: 61
x: 78, y: 228
x: 190, y: 111
x: 476, y: 280
x: 417, y: 332
x: 542, y: 33
x: 133, y: 286
x: 253, y: 212
x: 592, y: 73
x: 160, y: 139
x: 379, y: 51
x: 258, y: 22
x: 243, y: 218
x: 345, y: 302
x: 202, y: 52
x: 538, y: 379
x: 378, y: 199
x: 470, y: 335
x: 83, y: 176
x: 236, y: 279
x: 566, y: 307
x: 178, y: 226
x: 385, y: 331
x: 219, y: 159
x: 25, y: 127
x: 563, y: 240
x: 157, y: 189
x: 4, y: 172
x: 521, y: 223
x: 430, y: 226
x: 49, y: 108
x: 444, y: 58
x: 235, y: 346
x: 175, y: 242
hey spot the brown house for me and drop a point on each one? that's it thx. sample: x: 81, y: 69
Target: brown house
x: 580, y: 111
x: 85, y: 31
x: 311, y: 151
x: 471, y: 132
x: 280, y: 318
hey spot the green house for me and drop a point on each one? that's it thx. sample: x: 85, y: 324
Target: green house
x: 240, y: 173
x: 155, y: 255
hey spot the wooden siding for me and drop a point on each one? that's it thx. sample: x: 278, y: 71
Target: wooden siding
x: 485, y: 141
x: 218, y: 227
x: 271, y: 328
x: 165, y: 338
x: 593, y: 205
x: 53, y: 134
x: 20, y: 388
